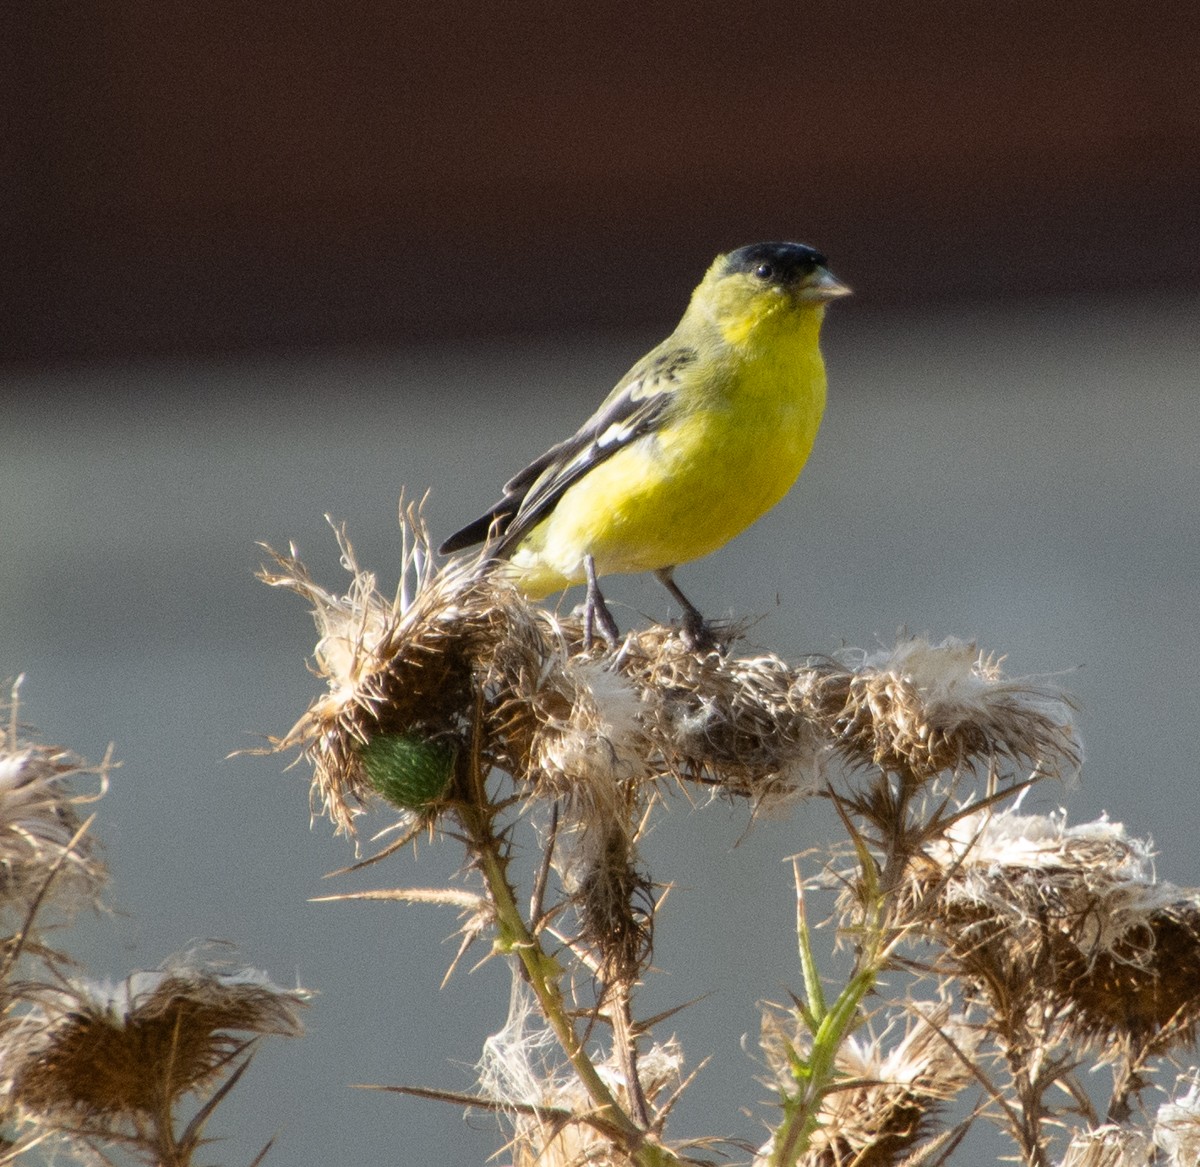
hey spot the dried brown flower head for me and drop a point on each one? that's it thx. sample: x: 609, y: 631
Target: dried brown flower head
x: 393, y: 666
x: 42, y: 853
x: 920, y: 709
x: 92, y: 1057
x: 737, y: 723
x: 1075, y: 916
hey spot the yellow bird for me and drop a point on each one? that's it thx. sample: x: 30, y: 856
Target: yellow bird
x: 701, y: 437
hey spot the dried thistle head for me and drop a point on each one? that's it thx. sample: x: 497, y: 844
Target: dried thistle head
x: 888, y: 1099
x: 920, y: 709
x: 614, y: 902
x: 458, y: 658
x: 586, y: 740
x: 42, y: 855
x: 93, y: 1058
x: 403, y: 668
x: 729, y: 722
x: 1073, y: 915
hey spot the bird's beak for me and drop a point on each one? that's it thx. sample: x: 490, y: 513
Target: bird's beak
x: 822, y: 286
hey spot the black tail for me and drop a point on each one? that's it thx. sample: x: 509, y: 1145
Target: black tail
x: 486, y: 527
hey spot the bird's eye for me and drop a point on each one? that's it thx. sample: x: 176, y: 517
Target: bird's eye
x: 764, y: 271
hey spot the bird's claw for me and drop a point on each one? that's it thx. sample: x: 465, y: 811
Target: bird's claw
x: 696, y: 634
x: 595, y: 612
x: 596, y: 616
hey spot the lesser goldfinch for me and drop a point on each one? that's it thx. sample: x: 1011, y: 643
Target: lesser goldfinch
x: 702, y: 436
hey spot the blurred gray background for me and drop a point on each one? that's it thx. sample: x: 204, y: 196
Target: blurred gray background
x: 249, y: 288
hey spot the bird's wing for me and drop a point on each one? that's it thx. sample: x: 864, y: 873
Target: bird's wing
x: 633, y: 409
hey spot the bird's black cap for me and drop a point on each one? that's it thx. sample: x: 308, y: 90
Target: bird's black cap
x: 777, y: 262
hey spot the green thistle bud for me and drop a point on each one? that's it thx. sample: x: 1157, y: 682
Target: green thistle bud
x: 410, y: 771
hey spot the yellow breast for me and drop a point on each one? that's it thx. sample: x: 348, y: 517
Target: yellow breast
x: 729, y: 450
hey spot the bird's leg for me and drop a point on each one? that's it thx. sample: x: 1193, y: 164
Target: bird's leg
x: 595, y: 610
x: 694, y: 631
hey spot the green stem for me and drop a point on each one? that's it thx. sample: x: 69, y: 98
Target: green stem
x: 801, y: 1110
x: 829, y: 1026
x: 544, y: 974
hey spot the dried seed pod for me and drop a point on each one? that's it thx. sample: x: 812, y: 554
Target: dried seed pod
x: 729, y: 722
x: 92, y: 1057
x: 1073, y: 915
x: 41, y: 857
x: 921, y: 709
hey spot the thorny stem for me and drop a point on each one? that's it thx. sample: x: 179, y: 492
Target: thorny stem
x: 829, y: 1027
x: 1029, y: 1085
x: 167, y: 1149
x: 625, y: 1041
x: 901, y: 838
x: 877, y: 938
x: 543, y: 972
x: 1129, y: 1080
x: 897, y: 839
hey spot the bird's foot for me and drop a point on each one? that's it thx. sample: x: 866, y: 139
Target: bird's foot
x: 696, y: 634
x: 597, y: 617
x: 595, y: 611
